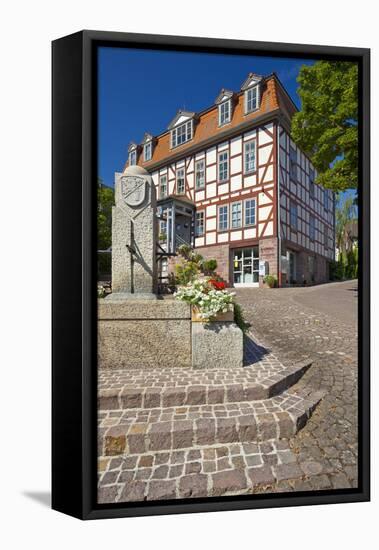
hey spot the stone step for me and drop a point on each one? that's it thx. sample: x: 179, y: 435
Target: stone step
x: 140, y: 431
x: 157, y: 388
x: 207, y: 471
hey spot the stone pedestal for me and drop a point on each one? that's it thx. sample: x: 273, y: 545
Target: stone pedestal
x: 138, y: 333
x: 134, y: 235
x: 217, y: 344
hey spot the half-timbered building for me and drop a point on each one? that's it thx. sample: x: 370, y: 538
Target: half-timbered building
x: 231, y: 182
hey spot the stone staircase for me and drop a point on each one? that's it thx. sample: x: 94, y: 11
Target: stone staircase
x: 179, y: 433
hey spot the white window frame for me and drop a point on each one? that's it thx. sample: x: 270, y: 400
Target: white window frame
x: 202, y: 225
x: 164, y: 267
x: 147, y: 147
x: 226, y: 152
x: 248, y: 100
x: 226, y: 206
x: 232, y: 226
x: 162, y: 195
x: 163, y: 227
x: 133, y: 155
x: 222, y: 118
x: 245, y: 165
x: 197, y: 171
x: 293, y: 207
x: 246, y: 224
x: 182, y: 171
x: 186, y: 130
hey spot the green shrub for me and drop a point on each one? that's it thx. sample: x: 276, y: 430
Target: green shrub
x: 185, y: 251
x: 104, y: 263
x: 270, y: 281
x: 239, y: 318
x: 185, y: 272
x: 346, y: 267
x: 191, y: 265
x: 336, y: 271
x: 209, y: 266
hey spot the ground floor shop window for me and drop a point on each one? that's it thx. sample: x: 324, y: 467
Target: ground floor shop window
x: 246, y: 266
x: 292, y: 266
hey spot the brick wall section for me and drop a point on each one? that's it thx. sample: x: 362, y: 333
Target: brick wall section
x: 220, y: 253
x: 321, y: 270
x: 303, y: 275
x: 268, y: 252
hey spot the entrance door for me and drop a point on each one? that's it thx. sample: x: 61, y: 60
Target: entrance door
x: 246, y: 266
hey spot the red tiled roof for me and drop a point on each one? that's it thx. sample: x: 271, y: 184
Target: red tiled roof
x: 273, y: 98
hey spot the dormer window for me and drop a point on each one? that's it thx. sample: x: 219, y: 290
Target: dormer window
x: 132, y: 150
x: 224, y: 102
x: 252, y: 99
x: 224, y: 113
x: 252, y: 92
x: 181, y: 134
x: 182, y: 128
x: 148, y: 143
x: 147, y: 151
x: 132, y: 157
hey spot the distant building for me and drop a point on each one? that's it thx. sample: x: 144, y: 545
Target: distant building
x: 233, y: 184
x: 349, y: 239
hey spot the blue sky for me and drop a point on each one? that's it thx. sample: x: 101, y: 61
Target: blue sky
x: 141, y: 90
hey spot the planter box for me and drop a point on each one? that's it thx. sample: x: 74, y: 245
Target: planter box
x: 215, y: 345
x: 220, y: 317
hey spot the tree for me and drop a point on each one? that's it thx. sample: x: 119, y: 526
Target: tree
x: 326, y: 127
x: 346, y: 212
x: 105, y: 201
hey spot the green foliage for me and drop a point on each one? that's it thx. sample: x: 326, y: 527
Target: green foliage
x: 239, y: 318
x: 105, y: 201
x: 191, y: 265
x: 186, y: 271
x: 336, y: 271
x: 186, y: 251
x: 270, y: 280
x: 326, y: 128
x: 101, y: 291
x: 351, y: 268
x: 345, y: 212
x: 104, y: 263
x: 346, y: 267
x: 209, y: 266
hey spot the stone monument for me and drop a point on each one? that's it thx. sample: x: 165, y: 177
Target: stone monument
x: 135, y: 329
x: 134, y: 236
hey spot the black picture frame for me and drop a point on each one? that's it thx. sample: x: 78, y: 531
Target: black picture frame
x: 74, y: 151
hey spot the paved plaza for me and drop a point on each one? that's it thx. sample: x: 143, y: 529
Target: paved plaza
x: 285, y: 421
x: 319, y: 324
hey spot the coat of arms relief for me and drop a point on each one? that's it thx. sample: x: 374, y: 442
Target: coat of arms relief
x: 133, y: 190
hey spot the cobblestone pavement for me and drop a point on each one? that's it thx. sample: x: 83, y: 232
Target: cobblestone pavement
x: 291, y: 323
x: 181, y: 433
x: 211, y: 471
